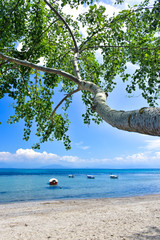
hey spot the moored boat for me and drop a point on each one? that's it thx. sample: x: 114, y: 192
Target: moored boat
x: 113, y: 176
x: 71, y: 176
x: 53, y: 181
x: 90, y: 176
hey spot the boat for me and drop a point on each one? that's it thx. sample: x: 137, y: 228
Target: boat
x: 113, y: 176
x: 53, y: 181
x: 71, y: 176
x: 90, y: 176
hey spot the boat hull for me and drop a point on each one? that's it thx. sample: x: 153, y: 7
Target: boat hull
x: 114, y: 176
x: 53, y: 181
x: 90, y: 176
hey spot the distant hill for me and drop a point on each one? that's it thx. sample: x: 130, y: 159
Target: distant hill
x: 31, y: 165
x: 54, y: 166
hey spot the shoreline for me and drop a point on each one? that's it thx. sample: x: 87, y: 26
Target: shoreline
x: 136, y: 197
x: 88, y: 219
x: 79, y: 199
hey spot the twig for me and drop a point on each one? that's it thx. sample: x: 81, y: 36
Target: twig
x: 118, y: 46
x: 8, y: 18
x: 65, y: 23
x: 39, y: 36
x: 2, y: 63
x: 107, y: 26
x: 13, y: 67
x: 68, y: 95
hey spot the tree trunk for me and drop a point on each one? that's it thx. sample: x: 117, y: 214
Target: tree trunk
x: 145, y: 120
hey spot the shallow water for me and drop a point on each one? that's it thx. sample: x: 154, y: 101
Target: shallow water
x: 33, y: 184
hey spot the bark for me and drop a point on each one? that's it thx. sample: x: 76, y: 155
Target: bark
x: 40, y: 68
x: 145, y: 120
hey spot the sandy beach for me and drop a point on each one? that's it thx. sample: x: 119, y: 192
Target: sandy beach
x: 94, y: 219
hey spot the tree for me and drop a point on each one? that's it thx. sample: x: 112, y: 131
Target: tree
x: 45, y: 32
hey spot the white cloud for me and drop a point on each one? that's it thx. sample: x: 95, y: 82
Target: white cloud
x: 85, y: 147
x: 81, y: 146
x: 4, y: 156
x: 30, y: 153
x: 82, y: 9
x: 19, y: 47
x: 42, y: 61
x: 118, y: 158
x: 156, y: 156
x: 137, y: 157
x: 153, y: 144
x: 75, y: 12
x: 22, y: 156
x: 110, y: 9
x: 72, y: 159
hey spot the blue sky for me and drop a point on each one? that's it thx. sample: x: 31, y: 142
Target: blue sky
x: 99, y: 146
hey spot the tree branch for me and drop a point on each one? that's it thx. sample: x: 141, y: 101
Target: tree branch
x: 40, y: 68
x: 75, y: 65
x: 38, y: 37
x: 118, y: 46
x: 76, y: 50
x: 145, y: 120
x: 65, y: 23
x: 10, y: 68
x: 107, y: 26
x: 68, y: 95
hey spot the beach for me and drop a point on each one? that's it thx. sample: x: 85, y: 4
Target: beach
x: 88, y: 219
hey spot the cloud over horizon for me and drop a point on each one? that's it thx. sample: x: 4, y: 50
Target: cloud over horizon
x: 150, y: 157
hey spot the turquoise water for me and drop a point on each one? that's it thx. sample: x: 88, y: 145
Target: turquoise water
x: 32, y: 184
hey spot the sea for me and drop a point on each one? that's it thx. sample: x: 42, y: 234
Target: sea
x: 21, y: 185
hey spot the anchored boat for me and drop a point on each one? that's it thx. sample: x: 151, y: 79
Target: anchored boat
x: 113, y: 176
x: 53, y: 181
x: 90, y: 176
x: 71, y: 176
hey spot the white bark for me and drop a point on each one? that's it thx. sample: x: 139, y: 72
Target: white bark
x: 145, y: 120
x: 40, y: 68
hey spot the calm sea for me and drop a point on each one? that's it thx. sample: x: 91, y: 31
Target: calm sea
x: 33, y: 184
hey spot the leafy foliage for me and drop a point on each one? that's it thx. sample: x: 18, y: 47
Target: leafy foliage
x: 130, y: 36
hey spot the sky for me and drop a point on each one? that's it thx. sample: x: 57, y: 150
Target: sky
x: 94, y: 146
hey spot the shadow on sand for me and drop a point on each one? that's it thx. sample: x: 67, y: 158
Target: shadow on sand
x: 153, y: 233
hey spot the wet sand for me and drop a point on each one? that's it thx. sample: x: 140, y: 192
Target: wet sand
x: 135, y: 218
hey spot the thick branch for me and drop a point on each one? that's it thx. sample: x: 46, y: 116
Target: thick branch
x: 65, y: 23
x: 76, y: 68
x: 145, y: 120
x: 68, y: 95
x: 40, y: 68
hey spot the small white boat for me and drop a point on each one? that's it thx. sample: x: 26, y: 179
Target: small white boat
x: 90, y: 176
x: 113, y: 176
x: 53, y: 181
x: 71, y: 176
